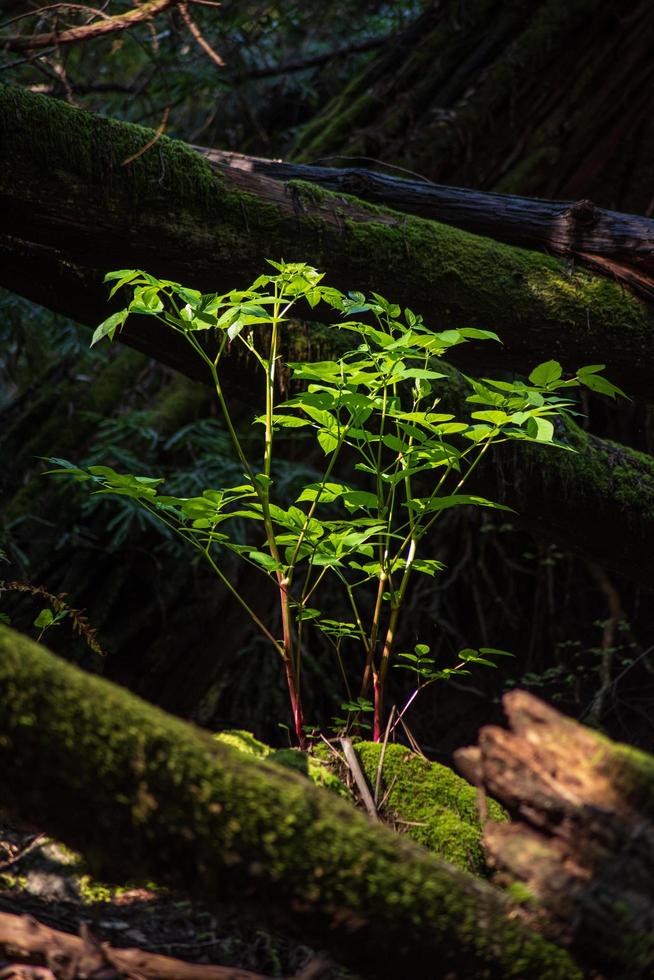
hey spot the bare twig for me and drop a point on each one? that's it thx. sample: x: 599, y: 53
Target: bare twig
x: 299, y: 64
x: 110, y: 25
x: 55, y: 6
x: 359, y: 778
x: 161, y: 128
x: 198, y: 37
x: 26, y: 940
x: 20, y: 854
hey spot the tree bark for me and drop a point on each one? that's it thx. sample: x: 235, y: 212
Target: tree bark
x: 619, y: 246
x: 583, y: 843
x: 541, y: 97
x: 72, y: 210
x: 141, y: 793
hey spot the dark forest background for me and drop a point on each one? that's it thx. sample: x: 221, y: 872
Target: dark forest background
x: 540, y: 98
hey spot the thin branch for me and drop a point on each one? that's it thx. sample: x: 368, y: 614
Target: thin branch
x: 299, y: 64
x: 111, y: 25
x: 359, y: 778
x: 56, y: 6
x: 198, y: 37
x: 380, y: 767
x: 161, y: 128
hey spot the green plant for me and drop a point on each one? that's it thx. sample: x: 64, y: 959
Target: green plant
x: 53, y: 614
x: 375, y: 408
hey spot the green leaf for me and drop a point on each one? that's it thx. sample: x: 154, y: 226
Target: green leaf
x: 494, y: 417
x: 304, y: 613
x: 285, y: 421
x: 337, y: 628
x: 328, y: 492
x: 426, y: 505
x: 355, y: 499
x: 265, y: 561
x: 546, y: 374
x: 590, y: 369
x: 44, y: 619
x: 427, y: 566
x: 361, y: 704
x: 599, y: 384
x: 124, y: 276
x: 327, y: 441
x: 540, y: 429
x: 109, y: 326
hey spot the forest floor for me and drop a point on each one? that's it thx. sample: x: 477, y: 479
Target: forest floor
x: 44, y: 879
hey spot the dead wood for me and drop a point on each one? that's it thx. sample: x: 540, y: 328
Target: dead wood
x: 25, y: 940
x: 582, y: 840
x: 619, y: 246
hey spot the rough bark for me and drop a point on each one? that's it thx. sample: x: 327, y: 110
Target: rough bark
x: 583, y: 843
x: 544, y: 97
x: 24, y: 940
x: 71, y: 211
x: 620, y: 246
x: 139, y: 792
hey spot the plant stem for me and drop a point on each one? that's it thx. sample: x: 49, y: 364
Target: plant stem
x: 291, y: 656
x: 374, y: 631
x: 380, y: 676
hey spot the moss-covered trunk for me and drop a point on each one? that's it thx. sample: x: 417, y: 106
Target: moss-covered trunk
x: 140, y: 793
x: 72, y: 210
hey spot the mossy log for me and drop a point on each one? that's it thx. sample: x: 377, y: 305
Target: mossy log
x: 582, y: 845
x: 73, y: 208
x: 618, y: 245
x: 141, y: 793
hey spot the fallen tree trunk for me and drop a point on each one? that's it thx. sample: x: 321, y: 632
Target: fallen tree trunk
x: 73, y: 208
x: 620, y: 246
x: 583, y: 843
x: 141, y: 793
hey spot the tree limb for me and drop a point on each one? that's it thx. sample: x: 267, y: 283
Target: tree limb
x: 619, y: 246
x: 86, y: 32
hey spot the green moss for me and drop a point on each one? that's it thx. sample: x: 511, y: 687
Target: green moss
x: 632, y: 772
x: 165, y: 801
x: 607, y: 471
x: 94, y: 892
x: 244, y: 742
x: 520, y: 894
x: 430, y: 803
x: 11, y: 881
x: 179, y: 403
x: 317, y: 770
